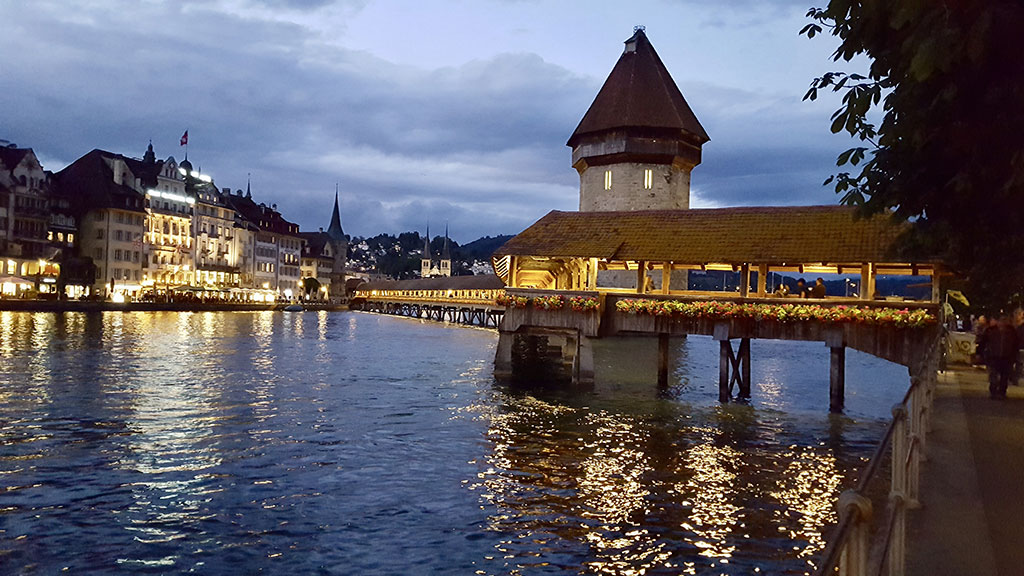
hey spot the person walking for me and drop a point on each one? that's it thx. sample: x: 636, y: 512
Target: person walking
x: 998, y: 347
x: 1018, y: 323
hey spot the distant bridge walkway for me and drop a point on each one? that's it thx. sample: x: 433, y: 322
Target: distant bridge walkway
x: 470, y: 300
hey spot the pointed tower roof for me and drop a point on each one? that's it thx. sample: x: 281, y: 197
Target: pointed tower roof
x: 446, y: 252
x: 334, y: 230
x: 426, y: 245
x: 639, y: 93
x: 149, y: 157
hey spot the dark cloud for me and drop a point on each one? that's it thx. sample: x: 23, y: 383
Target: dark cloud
x: 481, y: 145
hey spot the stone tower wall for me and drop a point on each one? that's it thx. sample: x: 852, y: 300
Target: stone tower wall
x: 670, y: 187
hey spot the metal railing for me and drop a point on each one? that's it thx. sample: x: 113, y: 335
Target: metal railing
x: 852, y: 551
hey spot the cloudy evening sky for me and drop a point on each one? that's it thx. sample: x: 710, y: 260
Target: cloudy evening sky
x: 436, y: 111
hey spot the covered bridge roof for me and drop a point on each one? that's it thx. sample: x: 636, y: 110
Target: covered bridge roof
x: 477, y: 282
x: 764, y: 235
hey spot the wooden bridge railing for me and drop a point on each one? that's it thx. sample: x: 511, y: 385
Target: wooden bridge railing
x: 851, y: 551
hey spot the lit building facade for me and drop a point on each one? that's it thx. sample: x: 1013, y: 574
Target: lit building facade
x: 276, y: 246
x: 169, y: 239
x: 25, y: 250
x: 217, y: 253
x: 104, y: 194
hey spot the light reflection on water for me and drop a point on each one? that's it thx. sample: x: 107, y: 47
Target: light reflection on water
x: 341, y: 443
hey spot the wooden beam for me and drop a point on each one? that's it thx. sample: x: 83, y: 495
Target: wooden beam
x: 867, y: 281
x: 762, y: 280
x: 641, y: 277
x: 666, y: 277
x: 744, y: 280
x: 743, y: 359
x: 724, y: 360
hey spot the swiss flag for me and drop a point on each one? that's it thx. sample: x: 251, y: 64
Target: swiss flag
x: 184, y: 138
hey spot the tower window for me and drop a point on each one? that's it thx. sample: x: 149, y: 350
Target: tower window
x: 607, y: 179
x: 648, y: 179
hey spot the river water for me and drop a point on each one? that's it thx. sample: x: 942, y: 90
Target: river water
x: 350, y: 443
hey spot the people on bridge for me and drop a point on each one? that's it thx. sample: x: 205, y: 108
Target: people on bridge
x: 818, y: 290
x: 801, y: 289
x: 999, y: 348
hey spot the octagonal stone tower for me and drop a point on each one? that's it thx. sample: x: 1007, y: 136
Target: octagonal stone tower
x: 636, y: 145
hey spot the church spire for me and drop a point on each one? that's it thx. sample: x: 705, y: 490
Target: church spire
x: 426, y: 260
x: 334, y: 230
x: 446, y: 256
x: 446, y: 252
x: 248, y: 182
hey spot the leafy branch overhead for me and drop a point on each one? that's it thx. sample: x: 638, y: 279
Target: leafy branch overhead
x: 938, y: 117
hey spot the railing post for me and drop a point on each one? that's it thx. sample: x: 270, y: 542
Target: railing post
x: 916, y: 444
x: 854, y: 560
x: 898, y: 537
x: 898, y: 490
x: 899, y: 450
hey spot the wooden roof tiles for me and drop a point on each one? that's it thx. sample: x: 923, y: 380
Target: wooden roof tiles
x: 753, y: 235
x: 639, y: 93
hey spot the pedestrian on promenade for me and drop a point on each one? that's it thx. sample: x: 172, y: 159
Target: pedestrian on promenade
x: 998, y: 347
x: 1018, y: 323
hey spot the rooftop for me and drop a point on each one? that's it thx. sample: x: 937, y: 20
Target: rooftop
x: 639, y: 93
x: 751, y: 235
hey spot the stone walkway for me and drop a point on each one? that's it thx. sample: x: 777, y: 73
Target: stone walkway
x: 972, y: 487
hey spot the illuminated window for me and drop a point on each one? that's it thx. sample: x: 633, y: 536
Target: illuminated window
x: 607, y: 179
x: 648, y: 179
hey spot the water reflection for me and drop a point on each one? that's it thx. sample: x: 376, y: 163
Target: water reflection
x: 339, y: 443
x: 627, y: 481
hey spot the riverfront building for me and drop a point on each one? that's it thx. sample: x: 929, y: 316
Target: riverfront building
x: 25, y: 239
x: 106, y: 196
x: 112, y: 225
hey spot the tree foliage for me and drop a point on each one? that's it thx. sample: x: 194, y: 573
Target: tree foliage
x: 940, y: 119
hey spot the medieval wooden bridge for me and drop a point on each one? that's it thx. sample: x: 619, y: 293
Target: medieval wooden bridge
x: 573, y: 277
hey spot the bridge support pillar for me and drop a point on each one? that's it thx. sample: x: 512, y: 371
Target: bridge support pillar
x: 662, y: 361
x: 503, y: 356
x: 837, y: 379
x: 836, y: 342
x: 583, y: 363
x: 737, y: 363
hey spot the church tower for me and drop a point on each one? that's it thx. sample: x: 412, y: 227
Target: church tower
x: 446, y: 256
x: 339, y: 248
x: 425, y: 262
x: 636, y: 145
